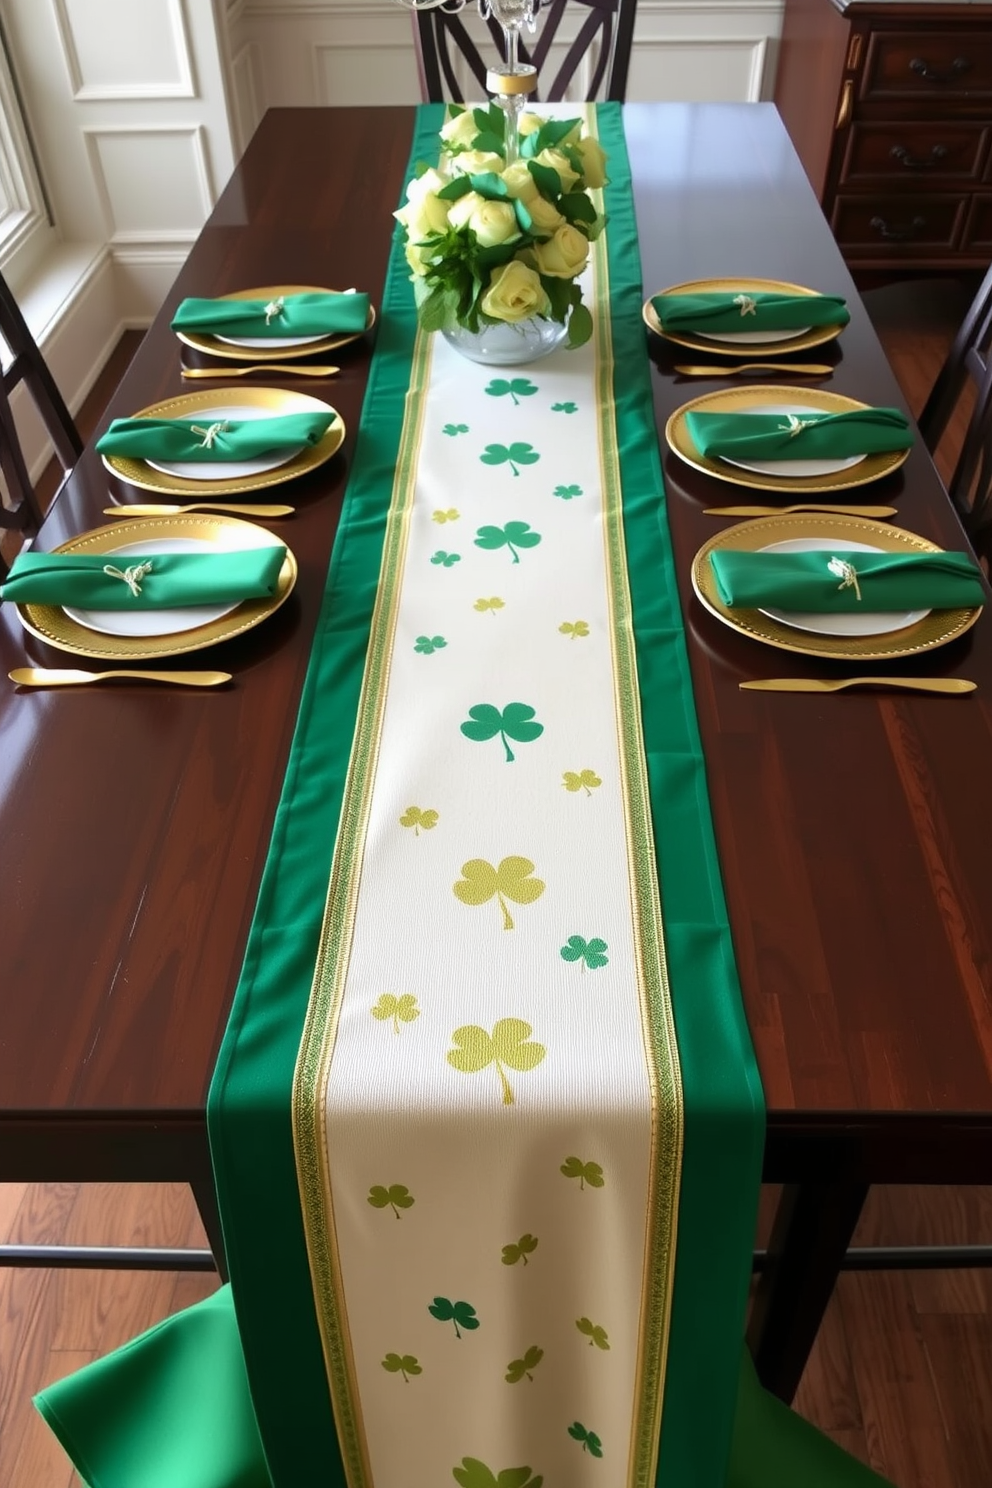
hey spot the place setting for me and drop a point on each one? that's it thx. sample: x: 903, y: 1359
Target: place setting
x: 277, y: 328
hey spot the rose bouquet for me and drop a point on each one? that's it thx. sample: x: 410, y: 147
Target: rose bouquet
x: 492, y: 242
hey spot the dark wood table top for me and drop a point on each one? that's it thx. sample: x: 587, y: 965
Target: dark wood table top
x: 852, y: 830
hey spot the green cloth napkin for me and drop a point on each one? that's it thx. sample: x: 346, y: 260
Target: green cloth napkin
x: 823, y: 582
x: 806, y: 436
x: 172, y: 1410
x: 143, y: 581
x: 209, y: 440
x: 296, y: 315
x: 732, y: 311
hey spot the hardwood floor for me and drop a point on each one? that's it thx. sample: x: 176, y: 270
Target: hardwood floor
x: 901, y: 1374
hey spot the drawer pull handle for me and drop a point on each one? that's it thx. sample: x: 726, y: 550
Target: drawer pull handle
x: 938, y: 75
x: 898, y: 234
x: 917, y: 162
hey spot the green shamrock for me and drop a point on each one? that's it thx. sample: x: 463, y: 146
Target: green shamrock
x: 451, y: 515
x: 587, y: 1438
x: 446, y: 559
x: 513, y: 536
x: 455, y: 429
x: 492, y: 605
x: 520, y: 387
x: 426, y: 645
x: 517, y: 1368
x: 419, y: 820
x: 595, y: 1335
x: 507, y: 1045
x: 454, y: 1312
x: 574, y: 628
x: 404, y: 1364
x: 590, y: 1172
x: 511, y: 880
x: 576, y: 780
x: 513, y: 723
x: 400, y: 1009
x: 564, y: 408
x: 512, y: 455
x: 396, y: 1197
x: 475, y: 1474
x: 525, y: 1246
x: 589, y: 952
x: 567, y: 492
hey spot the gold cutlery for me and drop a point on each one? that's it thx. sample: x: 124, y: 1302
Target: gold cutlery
x: 799, y: 369
x: 811, y: 506
x: 297, y: 371
x: 953, y: 685
x: 256, y: 509
x: 54, y: 677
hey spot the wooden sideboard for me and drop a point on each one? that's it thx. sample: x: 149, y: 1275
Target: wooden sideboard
x: 889, y: 104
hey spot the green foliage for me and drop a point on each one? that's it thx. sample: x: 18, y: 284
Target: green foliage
x: 517, y: 388
x: 419, y: 820
x: 576, y: 780
x: 454, y: 1312
x: 427, y: 645
x: 589, y: 1439
x: 589, y: 952
x: 512, y: 455
x: 475, y: 1474
x: 579, y: 325
x: 595, y: 1334
x: 567, y: 493
x: 446, y: 560
x: 404, y: 1364
x: 398, y: 1009
x: 481, y: 882
x: 525, y: 1246
x: 518, y: 1368
x: 508, y: 1047
x: 513, y: 535
x: 396, y: 1197
x: 590, y: 1172
x: 486, y: 721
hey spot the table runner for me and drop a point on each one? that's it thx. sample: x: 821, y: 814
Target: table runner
x: 580, y: 939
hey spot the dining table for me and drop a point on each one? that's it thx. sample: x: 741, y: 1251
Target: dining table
x: 851, y: 829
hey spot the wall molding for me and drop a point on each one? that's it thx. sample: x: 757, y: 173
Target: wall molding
x: 82, y: 92
x: 196, y: 133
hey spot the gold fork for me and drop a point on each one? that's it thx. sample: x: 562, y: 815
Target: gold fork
x: 951, y: 685
x: 798, y: 369
x: 64, y: 677
x: 163, y: 509
x: 806, y: 506
x: 292, y: 371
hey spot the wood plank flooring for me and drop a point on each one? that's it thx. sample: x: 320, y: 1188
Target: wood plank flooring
x: 901, y: 1374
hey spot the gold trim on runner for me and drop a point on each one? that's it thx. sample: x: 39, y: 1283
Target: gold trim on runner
x: 320, y: 1029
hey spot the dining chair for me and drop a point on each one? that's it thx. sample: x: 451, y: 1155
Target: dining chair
x: 24, y: 363
x: 970, y: 358
x: 605, y: 35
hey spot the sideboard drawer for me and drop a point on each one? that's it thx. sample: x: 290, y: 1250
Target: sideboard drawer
x: 926, y: 64
x: 906, y: 152
x: 978, y: 233
x: 907, y: 225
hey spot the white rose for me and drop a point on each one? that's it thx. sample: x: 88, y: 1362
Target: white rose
x: 593, y: 162
x: 477, y: 162
x: 424, y: 212
x: 515, y: 293
x: 564, y: 255
x: 419, y: 256
x: 546, y: 217
x: 559, y: 162
x: 459, y: 132
x: 519, y: 182
x: 492, y: 221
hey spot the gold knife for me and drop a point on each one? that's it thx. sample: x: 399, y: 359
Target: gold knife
x: 55, y: 677
x: 950, y: 685
x: 256, y: 509
x: 797, y: 369
x: 806, y: 506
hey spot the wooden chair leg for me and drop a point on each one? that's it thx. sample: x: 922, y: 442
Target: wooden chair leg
x: 206, y: 1203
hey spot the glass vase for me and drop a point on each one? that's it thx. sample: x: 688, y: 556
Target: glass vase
x: 506, y: 345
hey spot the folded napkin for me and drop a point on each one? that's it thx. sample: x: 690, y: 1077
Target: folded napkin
x: 143, y: 581
x: 842, y: 582
x: 748, y: 310
x: 806, y: 436
x: 289, y: 315
x: 208, y: 439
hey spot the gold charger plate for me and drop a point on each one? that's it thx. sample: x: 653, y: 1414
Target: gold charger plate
x: 752, y: 351
x: 935, y: 628
x: 275, y: 401
x: 50, y: 623
x: 213, y: 346
x: 749, y: 399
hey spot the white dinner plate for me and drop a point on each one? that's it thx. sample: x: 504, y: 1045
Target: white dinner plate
x: 204, y: 470
x: 169, y: 621
x: 855, y: 623
x: 793, y: 469
x: 753, y: 338
x: 263, y: 343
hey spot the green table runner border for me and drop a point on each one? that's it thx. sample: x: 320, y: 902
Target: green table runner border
x: 254, y: 1073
